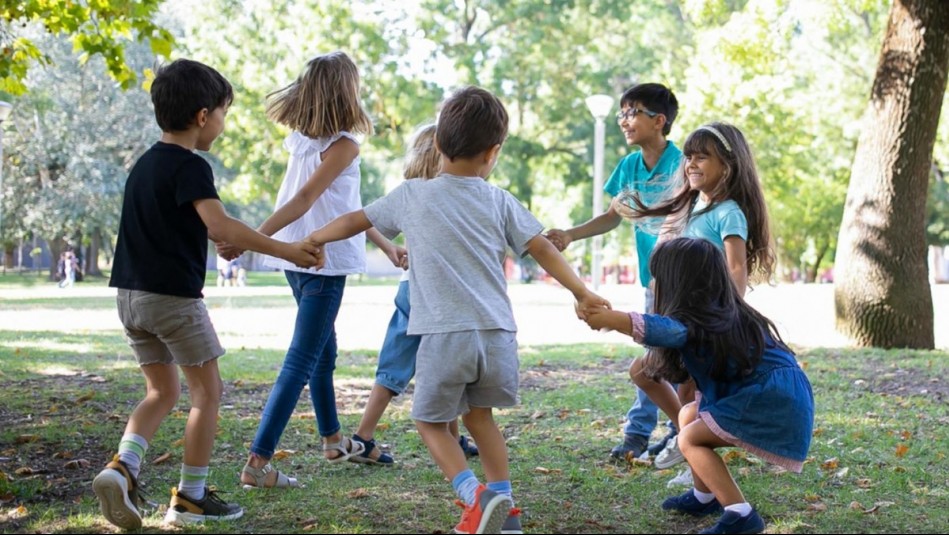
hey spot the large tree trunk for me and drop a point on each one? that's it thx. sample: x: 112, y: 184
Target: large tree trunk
x: 882, y: 292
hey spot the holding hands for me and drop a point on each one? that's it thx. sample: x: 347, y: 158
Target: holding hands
x: 590, y: 303
x: 560, y: 238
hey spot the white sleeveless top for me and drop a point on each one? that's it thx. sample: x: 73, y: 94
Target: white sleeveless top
x: 345, y: 257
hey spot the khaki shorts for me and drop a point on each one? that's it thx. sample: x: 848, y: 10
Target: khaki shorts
x: 166, y: 329
x: 458, y: 370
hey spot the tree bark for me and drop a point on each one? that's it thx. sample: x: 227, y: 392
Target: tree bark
x: 92, y: 255
x: 882, y: 294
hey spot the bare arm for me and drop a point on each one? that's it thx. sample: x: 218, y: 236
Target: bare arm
x: 600, y: 224
x: 335, y: 159
x: 234, y: 231
x: 736, y: 257
x: 344, y: 226
x: 553, y: 263
x: 397, y: 255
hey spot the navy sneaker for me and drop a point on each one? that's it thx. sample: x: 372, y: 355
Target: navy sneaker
x: 631, y: 448
x: 687, y: 503
x: 468, y: 447
x: 732, y: 522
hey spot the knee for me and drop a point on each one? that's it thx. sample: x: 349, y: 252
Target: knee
x: 636, y: 374
x: 166, y: 396
x: 687, y: 414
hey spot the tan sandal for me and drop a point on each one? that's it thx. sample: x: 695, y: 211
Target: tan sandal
x: 260, y: 478
x: 355, y: 448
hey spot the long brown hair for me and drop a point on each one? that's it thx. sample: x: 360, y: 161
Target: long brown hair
x: 323, y: 100
x: 721, y: 326
x: 740, y: 183
x: 422, y: 160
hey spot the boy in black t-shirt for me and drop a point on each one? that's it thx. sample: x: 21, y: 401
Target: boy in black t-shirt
x: 171, y: 208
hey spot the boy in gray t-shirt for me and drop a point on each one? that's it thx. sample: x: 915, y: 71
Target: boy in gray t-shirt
x: 457, y: 228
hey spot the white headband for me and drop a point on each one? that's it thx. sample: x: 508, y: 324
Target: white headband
x: 718, y: 135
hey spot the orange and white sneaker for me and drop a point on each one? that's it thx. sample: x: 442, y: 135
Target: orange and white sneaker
x: 117, y: 491
x: 488, y: 513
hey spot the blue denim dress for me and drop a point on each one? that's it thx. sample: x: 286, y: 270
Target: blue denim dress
x: 769, y: 412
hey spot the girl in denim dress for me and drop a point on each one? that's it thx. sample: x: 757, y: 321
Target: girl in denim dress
x: 751, y: 393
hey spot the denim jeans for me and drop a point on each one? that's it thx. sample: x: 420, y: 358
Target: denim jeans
x: 311, y: 360
x: 397, y: 356
x: 643, y: 415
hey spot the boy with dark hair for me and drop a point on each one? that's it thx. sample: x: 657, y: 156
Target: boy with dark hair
x: 170, y: 210
x: 459, y: 227
x: 647, y: 112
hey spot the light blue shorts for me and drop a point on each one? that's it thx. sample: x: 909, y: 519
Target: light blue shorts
x: 397, y: 356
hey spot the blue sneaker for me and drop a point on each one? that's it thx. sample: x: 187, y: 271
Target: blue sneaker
x: 687, y: 503
x: 468, y: 447
x: 732, y: 522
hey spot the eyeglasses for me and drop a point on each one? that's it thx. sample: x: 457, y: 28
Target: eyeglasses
x: 631, y: 114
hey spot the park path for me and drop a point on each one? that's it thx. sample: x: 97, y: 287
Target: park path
x: 804, y: 314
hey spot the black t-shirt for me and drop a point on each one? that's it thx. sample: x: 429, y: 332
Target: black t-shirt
x: 163, y: 244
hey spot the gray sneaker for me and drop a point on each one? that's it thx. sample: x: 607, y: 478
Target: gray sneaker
x: 670, y: 455
x: 631, y: 448
x: 513, y: 522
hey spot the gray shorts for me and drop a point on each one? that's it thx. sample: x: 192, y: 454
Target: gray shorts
x: 166, y: 329
x: 458, y: 370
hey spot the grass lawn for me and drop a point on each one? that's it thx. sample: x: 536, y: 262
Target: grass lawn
x: 877, y: 462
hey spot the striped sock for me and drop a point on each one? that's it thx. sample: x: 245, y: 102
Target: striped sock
x: 193, y: 481
x: 503, y: 488
x: 132, y: 450
x: 466, y: 485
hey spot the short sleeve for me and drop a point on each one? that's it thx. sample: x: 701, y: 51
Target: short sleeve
x: 618, y: 180
x: 520, y: 226
x: 386, y: 213
x: 194, y: 181
x: 734, y: 223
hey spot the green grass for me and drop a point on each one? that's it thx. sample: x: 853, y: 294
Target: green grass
x: 877, y: 462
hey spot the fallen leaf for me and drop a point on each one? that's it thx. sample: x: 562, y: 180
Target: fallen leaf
x: 864, y: 483
x: 24, y: 471
x: 811, y: 498
x: 238, y: 382
x: 842, y: 473
x: 538, y: 415
x: 734, y: 455
x: 901, y: 450
x: 76, y: 464
x: 906, y: 435
x: 162, y: 458
x: 19, y: 512
x: 358, y: 493
x: 279, y: 455
x: 819, y: 507
x: 179, y: 442
x: 85, y: 397
x: 856, y: 506
x: 63, y: 455
x: 829, y: 464
x: 23, y: 439
x: 7, y: 497
x: 542, y: 470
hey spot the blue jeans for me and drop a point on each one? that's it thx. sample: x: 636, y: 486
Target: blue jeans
x: 643, y: 415
x: 397, y: 356
x: 311, y: 360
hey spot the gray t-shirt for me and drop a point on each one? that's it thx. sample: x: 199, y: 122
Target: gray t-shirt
x: 456, y: 230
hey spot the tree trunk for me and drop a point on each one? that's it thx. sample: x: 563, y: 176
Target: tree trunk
x: 882, y: 294
x: 92, y: 254
x: 56, y: 248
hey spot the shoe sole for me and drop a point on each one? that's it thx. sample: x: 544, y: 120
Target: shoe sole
x: 494, y: 514
x: 111, y: 489
x: 176, y: 518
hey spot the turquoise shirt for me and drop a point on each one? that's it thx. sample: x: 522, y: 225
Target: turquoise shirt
x: 723, y: 220
x: 631, y: 174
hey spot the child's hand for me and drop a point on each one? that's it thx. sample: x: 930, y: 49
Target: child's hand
x: 227, y: 251
x: 306, y: 254
x: 588, y: 302
x: 559, y: 238
x: 601, y: 319
x: 398, y: 256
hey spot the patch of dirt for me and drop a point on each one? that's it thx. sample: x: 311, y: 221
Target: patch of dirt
x: 907, y: 382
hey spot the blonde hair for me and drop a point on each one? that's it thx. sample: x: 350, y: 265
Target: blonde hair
x: 324, y: 99
x: 422, y: 160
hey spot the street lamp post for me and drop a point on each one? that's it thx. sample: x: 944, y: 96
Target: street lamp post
x: 600, y: 106
x: 5, y: 109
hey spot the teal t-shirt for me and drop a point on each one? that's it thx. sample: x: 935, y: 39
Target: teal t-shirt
x: 631, y: 174
x: 723, y: 220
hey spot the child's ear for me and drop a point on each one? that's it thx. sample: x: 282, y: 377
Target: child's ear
x: 201, y: 118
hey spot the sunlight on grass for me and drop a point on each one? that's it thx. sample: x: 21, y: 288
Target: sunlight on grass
x: 51, y: 344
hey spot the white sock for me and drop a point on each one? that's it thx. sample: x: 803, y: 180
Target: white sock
x: 132, y: 450
x: 702, y: 497
x: 743, y: 508
x: 193, y: 481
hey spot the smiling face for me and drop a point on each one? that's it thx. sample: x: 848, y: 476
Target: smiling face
x: 704, y: 171
x: 637, y: 125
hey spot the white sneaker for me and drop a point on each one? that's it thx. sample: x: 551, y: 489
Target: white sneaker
x: 684, y: 478
x: 670, y: 455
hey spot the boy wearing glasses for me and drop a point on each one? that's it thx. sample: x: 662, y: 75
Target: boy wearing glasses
x: 647, y: 112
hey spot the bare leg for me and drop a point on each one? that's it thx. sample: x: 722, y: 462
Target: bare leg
x: 205, y: 387
x: 453, y: 429
x: 709, y: 472
x: 161, y: 395
x: 379, y: 400
x: 443, y: 448
x: 686, y: 391
x: 491, y: 444
x: 662, y: 393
